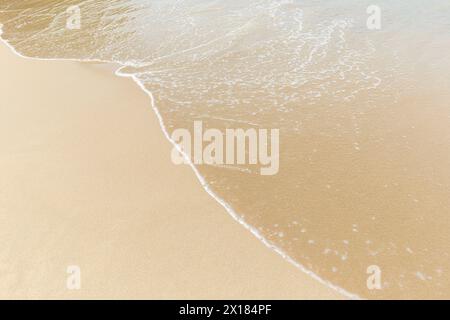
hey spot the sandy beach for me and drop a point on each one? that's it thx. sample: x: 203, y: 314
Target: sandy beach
x: 87, y: 180
x: 317, y: 132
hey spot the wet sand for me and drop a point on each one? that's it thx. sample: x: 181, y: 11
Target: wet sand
x: 87, y: 180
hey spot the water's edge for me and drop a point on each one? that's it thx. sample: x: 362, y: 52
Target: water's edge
x: 201, y: 179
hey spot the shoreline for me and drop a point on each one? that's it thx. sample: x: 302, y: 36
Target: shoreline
x: 294, y: 272
x: 254, y: 231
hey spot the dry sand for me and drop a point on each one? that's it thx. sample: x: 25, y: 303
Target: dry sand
x: 87, y: 180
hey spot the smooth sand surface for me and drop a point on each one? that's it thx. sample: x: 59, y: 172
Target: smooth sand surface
x: 87, y: 180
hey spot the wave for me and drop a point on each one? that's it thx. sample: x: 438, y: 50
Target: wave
x: 310, y: 69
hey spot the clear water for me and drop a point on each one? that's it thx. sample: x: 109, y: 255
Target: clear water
x: 363, y: 116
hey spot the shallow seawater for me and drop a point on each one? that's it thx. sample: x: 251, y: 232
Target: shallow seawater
x: 364, y: 117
